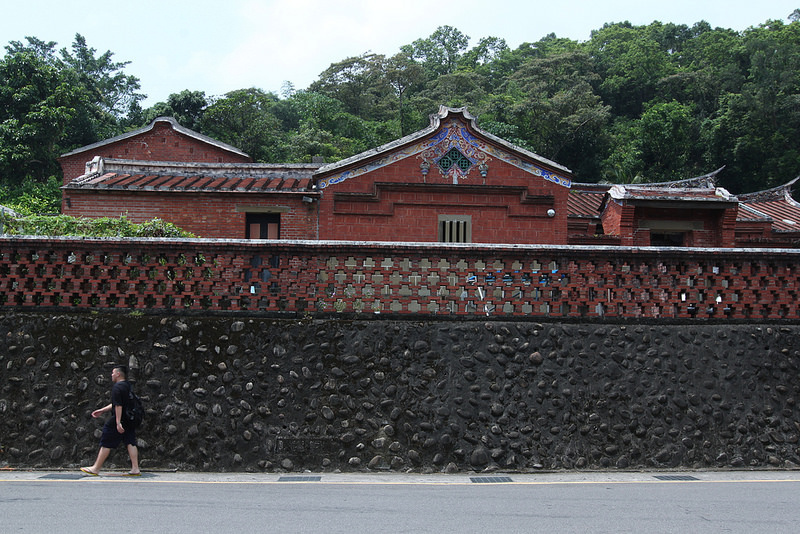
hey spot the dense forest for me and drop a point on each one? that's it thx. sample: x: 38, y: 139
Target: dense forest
x: 630, y: 104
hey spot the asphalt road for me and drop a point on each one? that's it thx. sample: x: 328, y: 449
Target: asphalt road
x: 696, y: 502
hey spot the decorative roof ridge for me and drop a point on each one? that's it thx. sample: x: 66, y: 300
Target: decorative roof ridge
x: 474, y: 124
x: 120, y: 164
x: 705, y: 181
x: 175, y: 126
x: 435, y: 121
x: 100, y: 165
x: 626, y: 191
x: 781, y: 192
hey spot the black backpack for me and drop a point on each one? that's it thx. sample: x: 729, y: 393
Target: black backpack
x: 134, y: 411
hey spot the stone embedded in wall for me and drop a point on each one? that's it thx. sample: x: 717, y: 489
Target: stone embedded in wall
x: 268, y: 394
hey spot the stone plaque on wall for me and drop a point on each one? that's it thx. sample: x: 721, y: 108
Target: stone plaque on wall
x: 307, y: 448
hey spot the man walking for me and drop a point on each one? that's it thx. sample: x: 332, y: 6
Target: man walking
x: 113, y: 431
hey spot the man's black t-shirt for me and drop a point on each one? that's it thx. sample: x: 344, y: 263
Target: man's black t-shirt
x: 119, y: 397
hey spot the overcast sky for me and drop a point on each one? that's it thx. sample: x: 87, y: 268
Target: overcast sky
x: 216, y: 46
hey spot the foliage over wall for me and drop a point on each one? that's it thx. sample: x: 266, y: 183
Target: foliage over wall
x: 64, y: 225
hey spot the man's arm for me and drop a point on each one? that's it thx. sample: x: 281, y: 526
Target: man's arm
x: 100, y: 411
x: 118, y: 413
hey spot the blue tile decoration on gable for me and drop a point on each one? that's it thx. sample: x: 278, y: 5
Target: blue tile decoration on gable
x: 453, y: 134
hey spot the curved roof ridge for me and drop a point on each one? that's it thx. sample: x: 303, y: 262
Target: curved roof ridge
x: 101, y: 166
x: 776, y: 193
x: 175, y: 126
x: 706, y: 181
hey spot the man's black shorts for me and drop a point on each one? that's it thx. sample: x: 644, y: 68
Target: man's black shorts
x: 111, y: 438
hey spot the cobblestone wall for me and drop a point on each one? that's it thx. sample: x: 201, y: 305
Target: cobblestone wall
x: 255, y: 393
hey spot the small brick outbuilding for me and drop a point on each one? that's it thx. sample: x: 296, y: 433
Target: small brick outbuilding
x: 162, y: 140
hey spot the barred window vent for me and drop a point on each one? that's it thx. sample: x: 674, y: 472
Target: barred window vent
x: 455, y: 229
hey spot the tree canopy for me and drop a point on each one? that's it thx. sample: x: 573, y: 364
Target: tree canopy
x: 653, y: 102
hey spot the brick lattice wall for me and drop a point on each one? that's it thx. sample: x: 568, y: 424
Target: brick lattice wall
x: 352, y: 277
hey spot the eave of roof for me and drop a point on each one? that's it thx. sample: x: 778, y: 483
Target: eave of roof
x: 585, y: 203
x: 175, y: 126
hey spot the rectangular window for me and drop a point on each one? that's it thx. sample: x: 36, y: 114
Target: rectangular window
x: 667, y: 239
x: 263, y: 226
x: 455, y: 229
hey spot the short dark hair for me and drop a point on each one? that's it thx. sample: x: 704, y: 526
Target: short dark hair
x: 123, y: 370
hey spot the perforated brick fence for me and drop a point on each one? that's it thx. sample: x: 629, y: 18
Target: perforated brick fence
x: 311, y: 277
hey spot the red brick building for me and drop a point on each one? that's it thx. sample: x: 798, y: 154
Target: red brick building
x: 451, y: 182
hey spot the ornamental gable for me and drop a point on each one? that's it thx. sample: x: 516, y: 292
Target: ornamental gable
x: 452, y: 150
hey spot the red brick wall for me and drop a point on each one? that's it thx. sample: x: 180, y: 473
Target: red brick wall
x: 205, y: 215
x: 756, y: 234
x: 161, y: 143
x: 612, y: 218
x: 708, y: 231
x: 626, y: 222
x: 332, y: 277
x: 393, y: 204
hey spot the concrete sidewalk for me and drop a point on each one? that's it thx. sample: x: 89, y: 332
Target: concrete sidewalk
x: 541, y: 478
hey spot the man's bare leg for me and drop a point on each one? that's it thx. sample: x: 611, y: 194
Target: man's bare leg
x: 102, y: 455
x: 133, y: 452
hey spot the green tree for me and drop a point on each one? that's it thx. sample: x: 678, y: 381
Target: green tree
x: 555, y: 111
x: 359, y: 83
x: 243, y: 118
x: 404, y: 76
x: 108, y: 93
x: 327, y: 130
x: 659, y: 146
x: 461, y: 88
x: 37, y: 103
x: 485, y: 52
x: 630, y: 64
x: 187, y: 107
x: 32, y: 197
x: 440, y: 53
x: 755, y: 129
